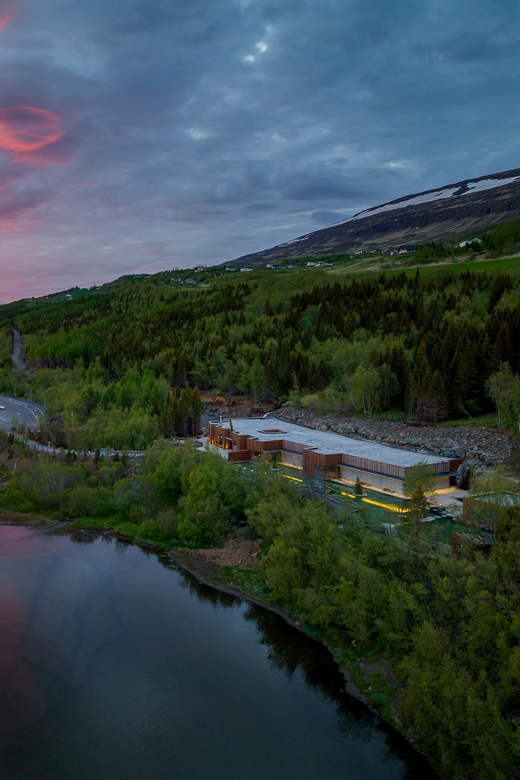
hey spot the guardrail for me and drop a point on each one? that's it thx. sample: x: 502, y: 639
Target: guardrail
x: 50, y: 449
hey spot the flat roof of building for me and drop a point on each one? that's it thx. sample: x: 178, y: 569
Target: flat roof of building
x: 327, y: 442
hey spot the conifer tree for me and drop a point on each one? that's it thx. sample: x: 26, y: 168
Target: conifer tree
x: 417, y: 509
x: 197, y: 410
x: 168, y: 415
x: 435, y: 402
x: 419, y: 381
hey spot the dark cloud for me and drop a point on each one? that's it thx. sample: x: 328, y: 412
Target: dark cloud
x: 200, y: 131
x: 327, y: 217
x: 259, y: 207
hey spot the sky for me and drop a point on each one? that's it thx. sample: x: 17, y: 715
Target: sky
x: 144, y: 135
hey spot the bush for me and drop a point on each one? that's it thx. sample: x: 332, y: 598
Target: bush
x: 150, y: 530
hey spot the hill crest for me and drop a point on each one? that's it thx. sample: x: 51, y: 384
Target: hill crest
x: 447, y: 212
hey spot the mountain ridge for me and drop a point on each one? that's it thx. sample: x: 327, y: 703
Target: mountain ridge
x: 447, y: 213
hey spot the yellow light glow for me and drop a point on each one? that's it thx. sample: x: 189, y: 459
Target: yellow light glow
x: 385, y: 506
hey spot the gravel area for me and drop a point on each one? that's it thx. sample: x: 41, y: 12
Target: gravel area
x: 239, y: 550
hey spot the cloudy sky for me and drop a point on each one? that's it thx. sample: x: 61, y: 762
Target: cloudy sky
x: 140, y: 135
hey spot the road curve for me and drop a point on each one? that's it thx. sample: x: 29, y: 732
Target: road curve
x: 16, y: 409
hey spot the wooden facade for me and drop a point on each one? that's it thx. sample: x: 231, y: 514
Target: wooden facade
x: 243, y: 447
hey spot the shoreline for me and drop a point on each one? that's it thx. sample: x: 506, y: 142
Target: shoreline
x: 206, y: 573
x: 351, y: 688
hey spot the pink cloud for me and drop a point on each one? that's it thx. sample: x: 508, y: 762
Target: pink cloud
x: 28, y: 134
x: 8, y: 12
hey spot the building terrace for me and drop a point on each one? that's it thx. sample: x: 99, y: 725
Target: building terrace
x: 324, y: 454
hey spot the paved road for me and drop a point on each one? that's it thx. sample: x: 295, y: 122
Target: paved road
x: 21, y: 411
x: 106, y: 453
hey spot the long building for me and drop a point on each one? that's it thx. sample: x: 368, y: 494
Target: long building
x: 325, y: 455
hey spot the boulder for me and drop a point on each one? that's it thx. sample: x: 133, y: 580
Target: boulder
x: 463, y: 475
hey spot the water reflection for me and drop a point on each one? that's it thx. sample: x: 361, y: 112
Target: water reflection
x: 142, y: 672
x: 290, y: 651
x: 205, y: 593
x: 83, y: 537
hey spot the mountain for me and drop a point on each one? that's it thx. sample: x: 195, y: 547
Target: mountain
x: 448, y: 213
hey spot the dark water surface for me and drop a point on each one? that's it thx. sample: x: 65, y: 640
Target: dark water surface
x: 115, y: 664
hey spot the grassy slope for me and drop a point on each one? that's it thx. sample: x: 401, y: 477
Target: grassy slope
x: 277, y: 283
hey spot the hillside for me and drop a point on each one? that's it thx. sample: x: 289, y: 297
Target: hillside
x: 121, y: 364
x: 449, y: 212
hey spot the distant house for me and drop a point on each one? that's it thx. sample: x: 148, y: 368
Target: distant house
x: 405, y: 249
x: 311, y: 265
x: 292, y: 266
x: 228, y: 268
x: 243, y: 270
x: 270, y: 265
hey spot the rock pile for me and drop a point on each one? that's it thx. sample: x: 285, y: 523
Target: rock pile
x: 481, y: 448
x: 215, y: 404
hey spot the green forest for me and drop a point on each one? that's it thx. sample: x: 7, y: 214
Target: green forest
x: 450, y: 628
x: 128, y: 362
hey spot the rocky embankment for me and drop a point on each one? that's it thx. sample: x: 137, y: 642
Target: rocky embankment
x: 481, y: 448
x: 17, y: 353
x: 216, y: 404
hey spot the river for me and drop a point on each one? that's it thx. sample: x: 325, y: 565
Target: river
x: 115, y: 664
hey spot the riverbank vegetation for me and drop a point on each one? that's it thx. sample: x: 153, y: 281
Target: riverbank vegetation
x: 450, y: 628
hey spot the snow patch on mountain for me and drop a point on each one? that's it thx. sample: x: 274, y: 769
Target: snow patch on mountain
x: 435, y: 195
x: 488, y: 184
x: 426, y: 198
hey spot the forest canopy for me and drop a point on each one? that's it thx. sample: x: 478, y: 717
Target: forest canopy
x: 431, y: 346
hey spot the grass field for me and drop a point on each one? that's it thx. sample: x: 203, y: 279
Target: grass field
x: 489, y: 420
x: 510, y: 265
x: 370, y: 264
x: 277, y: 284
